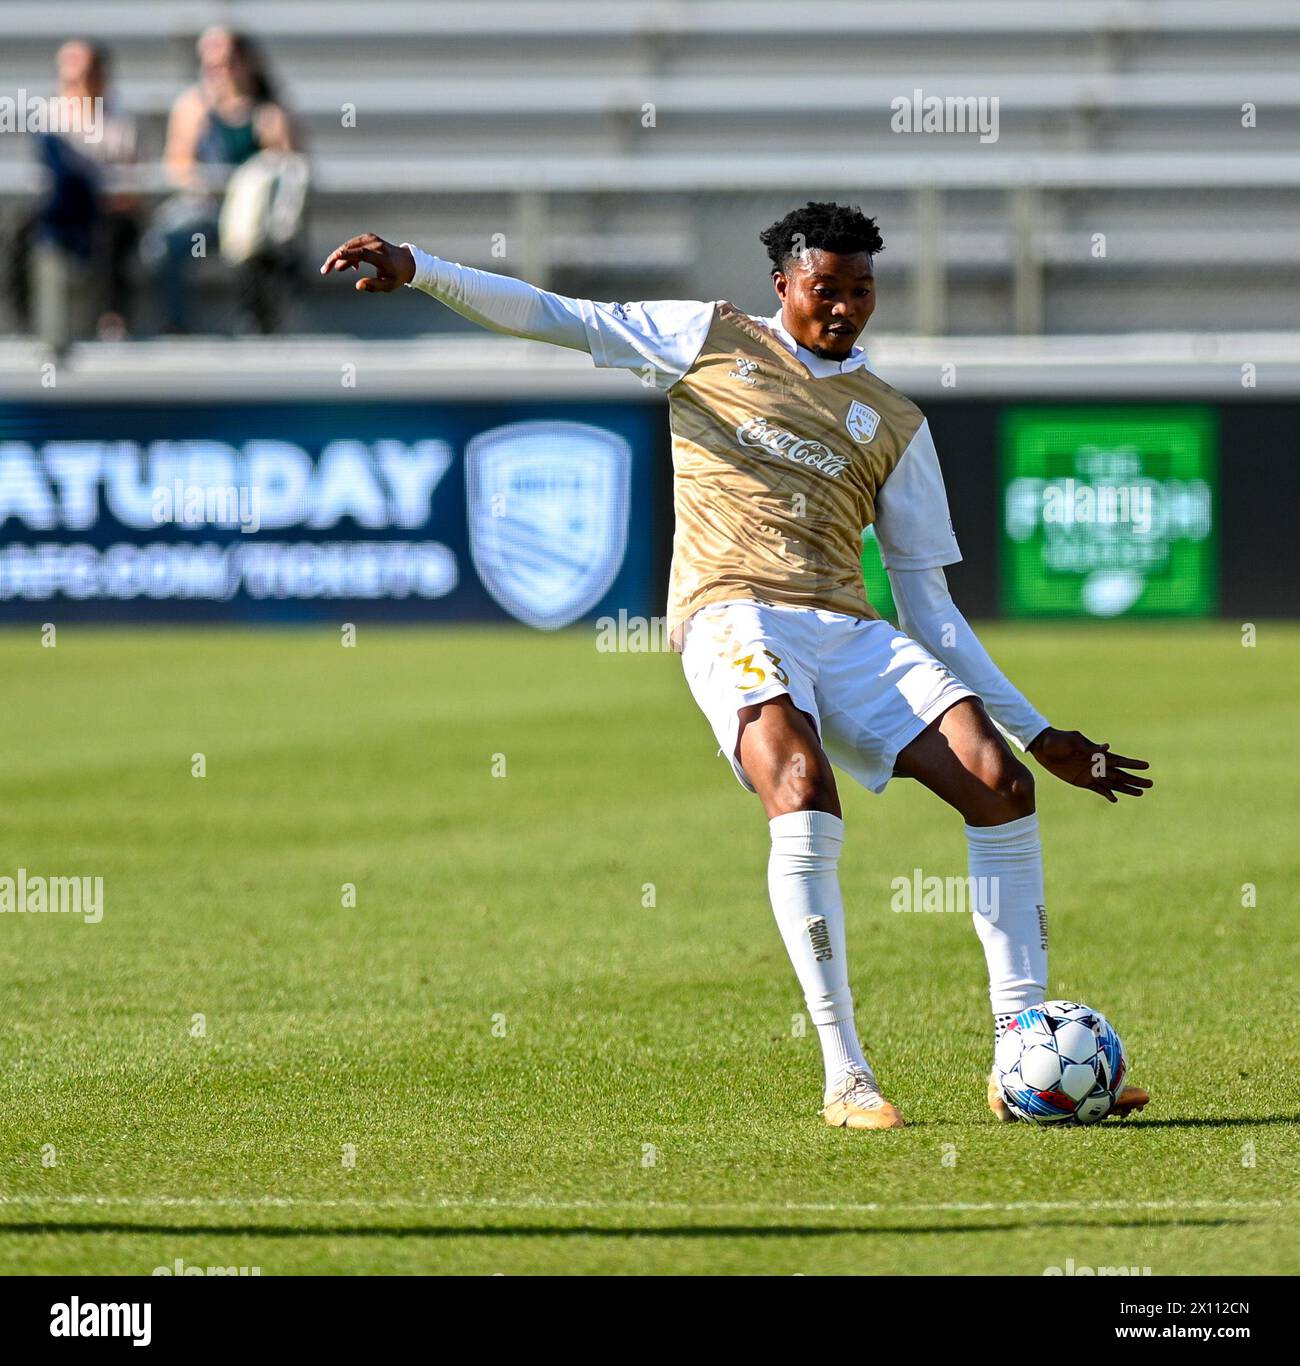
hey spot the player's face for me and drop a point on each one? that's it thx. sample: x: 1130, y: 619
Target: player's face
x: 826, y: 300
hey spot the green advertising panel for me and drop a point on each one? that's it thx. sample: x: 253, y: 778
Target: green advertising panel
x: 1109, y: 512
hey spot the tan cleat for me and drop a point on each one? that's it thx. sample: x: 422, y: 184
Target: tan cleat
x: 856, y: 1103
x: 1001, y: 1110
x: 1129, y: 1099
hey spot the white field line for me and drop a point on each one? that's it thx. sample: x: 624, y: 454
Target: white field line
x: 274, y: 1202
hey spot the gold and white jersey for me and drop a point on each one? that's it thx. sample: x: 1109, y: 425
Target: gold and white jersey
x: 781, y: 458
x: 777, y: 472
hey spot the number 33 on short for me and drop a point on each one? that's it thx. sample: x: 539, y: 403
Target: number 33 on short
x: 748, y: 667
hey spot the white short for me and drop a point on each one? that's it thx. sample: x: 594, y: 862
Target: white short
x: 868, y: 688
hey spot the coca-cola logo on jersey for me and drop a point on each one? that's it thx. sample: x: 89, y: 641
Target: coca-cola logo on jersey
x: 758, y: 431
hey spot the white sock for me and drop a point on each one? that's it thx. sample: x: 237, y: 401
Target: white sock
x: 1006, y: 862
x: 803, y: 882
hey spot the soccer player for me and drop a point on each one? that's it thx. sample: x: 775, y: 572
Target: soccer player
x: 785, y: 448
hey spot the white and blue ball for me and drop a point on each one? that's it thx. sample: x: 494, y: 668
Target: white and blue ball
x: 1060, y: 1063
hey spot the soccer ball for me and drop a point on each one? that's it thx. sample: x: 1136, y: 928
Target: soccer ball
x: 1061, y: 1062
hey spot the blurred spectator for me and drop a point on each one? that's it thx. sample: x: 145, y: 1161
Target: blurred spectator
x: 229, y: 116
x: 71, y: 257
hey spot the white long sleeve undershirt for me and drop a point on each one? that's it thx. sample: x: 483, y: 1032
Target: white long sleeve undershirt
x: 658, y: 338
x: 500, y: 302
x: 928, y: 614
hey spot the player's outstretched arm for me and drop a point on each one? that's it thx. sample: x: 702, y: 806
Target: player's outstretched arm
x: 660, y: 338
x: 928, y: 614
x: 499, y: 303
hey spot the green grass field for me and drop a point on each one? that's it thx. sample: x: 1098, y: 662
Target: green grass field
x: 539, y: 1073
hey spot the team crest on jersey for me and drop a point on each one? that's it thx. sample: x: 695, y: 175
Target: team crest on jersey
x: 548, y: 516
x: 861, y: 422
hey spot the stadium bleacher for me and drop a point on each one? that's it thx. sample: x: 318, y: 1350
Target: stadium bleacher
x: 638, y: 148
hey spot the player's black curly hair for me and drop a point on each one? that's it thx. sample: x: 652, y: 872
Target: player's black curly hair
x: 824, y: 227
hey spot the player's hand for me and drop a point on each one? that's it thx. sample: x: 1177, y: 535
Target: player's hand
x: 1072, y: 757
x: 394, y: 266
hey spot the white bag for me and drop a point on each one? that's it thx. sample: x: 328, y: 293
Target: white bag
x: 263, y: 206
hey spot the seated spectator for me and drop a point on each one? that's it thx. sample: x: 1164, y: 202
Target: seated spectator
x: 75, y: 249
x: 222, y: 121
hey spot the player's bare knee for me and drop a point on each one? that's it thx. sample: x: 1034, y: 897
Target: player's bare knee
x: 1008, y: 785
x: 803, y: 785
x: 803, y: 782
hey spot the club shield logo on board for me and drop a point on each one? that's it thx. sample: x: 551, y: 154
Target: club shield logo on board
x: 549, y: 504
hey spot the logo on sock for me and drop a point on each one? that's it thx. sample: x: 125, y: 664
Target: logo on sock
x: 820, y: 938
x: 1042, y: 925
